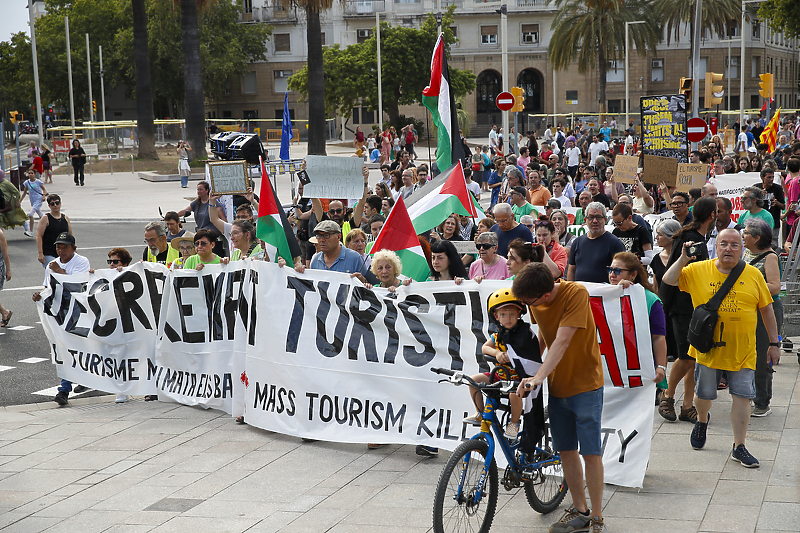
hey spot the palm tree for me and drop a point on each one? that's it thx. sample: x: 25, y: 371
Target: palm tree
x: 194, y: 101
x: 144, y: 96
x: 717, y: 16
x: 592, y: 32
x: 316, y: 75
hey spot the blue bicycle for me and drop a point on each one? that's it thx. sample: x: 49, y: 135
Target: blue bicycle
x: 466, y: 495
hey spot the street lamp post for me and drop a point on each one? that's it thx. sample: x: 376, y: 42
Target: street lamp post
x: 36, y: 73
x: 627, y: 84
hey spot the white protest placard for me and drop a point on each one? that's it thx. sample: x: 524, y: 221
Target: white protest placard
x: 90, y: 149
x: 334, y: 177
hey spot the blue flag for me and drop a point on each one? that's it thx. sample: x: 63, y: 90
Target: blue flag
x: 286, y: 133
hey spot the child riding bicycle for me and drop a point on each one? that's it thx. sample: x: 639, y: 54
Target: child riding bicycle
x: 514, y: 334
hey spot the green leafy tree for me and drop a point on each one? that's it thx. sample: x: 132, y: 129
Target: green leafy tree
x: 782, y: 15
x: 351, y: 72
x: 717, y: 16
x: 592, y: 33
x: 16, y: 83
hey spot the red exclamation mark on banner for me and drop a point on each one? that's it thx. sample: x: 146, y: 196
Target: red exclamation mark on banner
x: 606, y: 341
x: 631, y: 348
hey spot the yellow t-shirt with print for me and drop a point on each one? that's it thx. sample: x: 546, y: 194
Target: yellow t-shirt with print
x: 738, y: 313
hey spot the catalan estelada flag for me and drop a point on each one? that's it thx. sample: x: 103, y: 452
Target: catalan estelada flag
x: 770, y: 133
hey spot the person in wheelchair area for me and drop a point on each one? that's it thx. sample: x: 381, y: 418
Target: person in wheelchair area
x: 506, y: 312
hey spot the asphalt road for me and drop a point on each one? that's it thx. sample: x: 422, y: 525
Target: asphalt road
x: 23, y: 339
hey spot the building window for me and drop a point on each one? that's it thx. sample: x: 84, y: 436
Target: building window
x: 249, y: 83
x: 282, y: 80
x: 755, y: 101
x: 732, y: 70
x: 488, y: 34
x: 756, y: 30
x: 530, y: 34
x: 733, y: 30
x: 367, y: 116
x: 657, y: 70
x: 572, y: 96
x: 407, y: 1
x: 282, y: 42
x: 322, y: 38
x: 454, y: 29
x: 227, y: 114
x: 615, y: 72
x: 755, y: 67
x: 355, y: 116
x: 615, y: 106
x: 279, y: 114
x: 703, y: 67
x: 363, y: 35
x: 250, y: 114
x: 248, y: 6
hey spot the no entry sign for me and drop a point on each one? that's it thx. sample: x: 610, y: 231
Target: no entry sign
x: 505, y: 101
x: 696, y: 129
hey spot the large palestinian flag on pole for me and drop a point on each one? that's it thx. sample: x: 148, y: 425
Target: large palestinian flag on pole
x: 438, y: 97
x: 399, y: 236
x: 272, y: 226
x: 437, y: 202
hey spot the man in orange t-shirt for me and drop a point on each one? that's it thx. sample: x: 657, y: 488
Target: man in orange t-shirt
x: 574, y: 373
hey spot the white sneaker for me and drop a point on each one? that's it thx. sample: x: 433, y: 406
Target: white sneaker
x: 28, y: 233
x: 122, y: 398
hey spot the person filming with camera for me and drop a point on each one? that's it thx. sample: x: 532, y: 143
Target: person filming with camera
x: 739, y: 293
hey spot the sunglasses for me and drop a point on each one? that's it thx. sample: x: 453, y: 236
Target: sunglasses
x: 334, y: 211
x: 617, y: 271
x: 55, y: 202
x: 113, y: 261
x: 484, y: 246
x: 202, y: 243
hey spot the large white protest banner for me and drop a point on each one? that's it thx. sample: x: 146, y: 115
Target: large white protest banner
x: 318, y: 355
x: 102, y: 326
x: 334, y: 177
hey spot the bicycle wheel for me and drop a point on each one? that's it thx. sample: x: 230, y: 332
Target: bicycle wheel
x: 454, y: 507
x: 548, y: 487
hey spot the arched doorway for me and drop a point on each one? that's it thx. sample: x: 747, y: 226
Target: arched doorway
x: 487, y: 87
x: 532, y: 82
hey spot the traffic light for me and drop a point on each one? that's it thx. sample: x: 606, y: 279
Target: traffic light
x: 767, y: 87
x: 711, y: 98
x: 94, y: 106
x: 686, y: 90
x: 519, y: 99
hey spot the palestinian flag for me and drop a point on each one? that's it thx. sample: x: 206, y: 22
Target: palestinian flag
x: 272, y: 226
x: 438, y: 202
x: 399, y: 236
x: 438, y: 97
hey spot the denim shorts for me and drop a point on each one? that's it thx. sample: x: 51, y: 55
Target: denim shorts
x: 576, y: 420
x: 740, y: 383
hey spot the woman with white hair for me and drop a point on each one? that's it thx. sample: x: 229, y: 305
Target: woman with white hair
x: 387, y: 267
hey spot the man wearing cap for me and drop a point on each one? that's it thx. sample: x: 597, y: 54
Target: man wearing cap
x: 158, y: 249
x: 519, y: 205
x: 67, y: 262
x: 333, y: 255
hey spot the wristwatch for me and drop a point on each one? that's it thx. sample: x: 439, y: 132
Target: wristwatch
x: 776, y: 344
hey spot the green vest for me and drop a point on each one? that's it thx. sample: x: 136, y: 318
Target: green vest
x: 172, y: 255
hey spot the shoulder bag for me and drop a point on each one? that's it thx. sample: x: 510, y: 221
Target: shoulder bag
x: 705, y: 316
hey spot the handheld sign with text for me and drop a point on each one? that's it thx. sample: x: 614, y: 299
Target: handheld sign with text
x: 334, y: 177
x: 228, y: 177
x: 625, y: 167
x: 691, y: 176
x: 658, y: 169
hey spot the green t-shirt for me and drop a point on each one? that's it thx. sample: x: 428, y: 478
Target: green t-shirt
x: 763, y: 214
x: 237, y: 253
x: 194, y: 260
x: 526, y: 209
x: 579, y: 217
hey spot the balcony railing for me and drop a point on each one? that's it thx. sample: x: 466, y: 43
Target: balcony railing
x: 274, y: 12
x: 363, y: 7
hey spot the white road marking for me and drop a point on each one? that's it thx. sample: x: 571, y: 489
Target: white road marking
x: 52, y: 391
x: 2, y: 368
x: 33, y: 360
x: 33, y: 288
x: 21, y: 328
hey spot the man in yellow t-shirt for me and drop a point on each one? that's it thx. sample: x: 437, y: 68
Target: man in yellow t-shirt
x: 734, y: 334
x: 574, y: 372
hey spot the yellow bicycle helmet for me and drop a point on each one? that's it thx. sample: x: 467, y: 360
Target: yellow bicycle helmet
x: 503, y: 297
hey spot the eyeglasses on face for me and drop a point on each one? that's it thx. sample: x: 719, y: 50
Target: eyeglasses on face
x: 485, y: 246
x: 202, y: 243
x: 618, y: 271
x: 677, y: 204
x: 327, y: 235
x: 594, y: 217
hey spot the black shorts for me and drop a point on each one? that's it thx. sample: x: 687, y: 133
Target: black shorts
x: 680, y: 328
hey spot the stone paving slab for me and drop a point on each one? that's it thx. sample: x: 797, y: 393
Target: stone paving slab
x: 97, y: 466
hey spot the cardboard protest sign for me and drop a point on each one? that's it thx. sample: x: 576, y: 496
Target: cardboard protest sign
x: 690, y: 176
x: 625, y: 167
x: 334, y: 177
x: 664, y: 126
x: 658, y: 169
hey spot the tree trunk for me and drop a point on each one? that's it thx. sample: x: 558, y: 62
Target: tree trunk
x: 194, y: 103
x: 316, y: 83
x: 146, y: 129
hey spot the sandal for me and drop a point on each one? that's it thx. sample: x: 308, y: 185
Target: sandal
x: 240, y: 419
x: 6, y: 319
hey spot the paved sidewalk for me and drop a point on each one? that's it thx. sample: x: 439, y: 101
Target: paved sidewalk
x: 97, y: 466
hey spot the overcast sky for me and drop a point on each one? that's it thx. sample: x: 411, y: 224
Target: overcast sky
x: 14, y: 19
